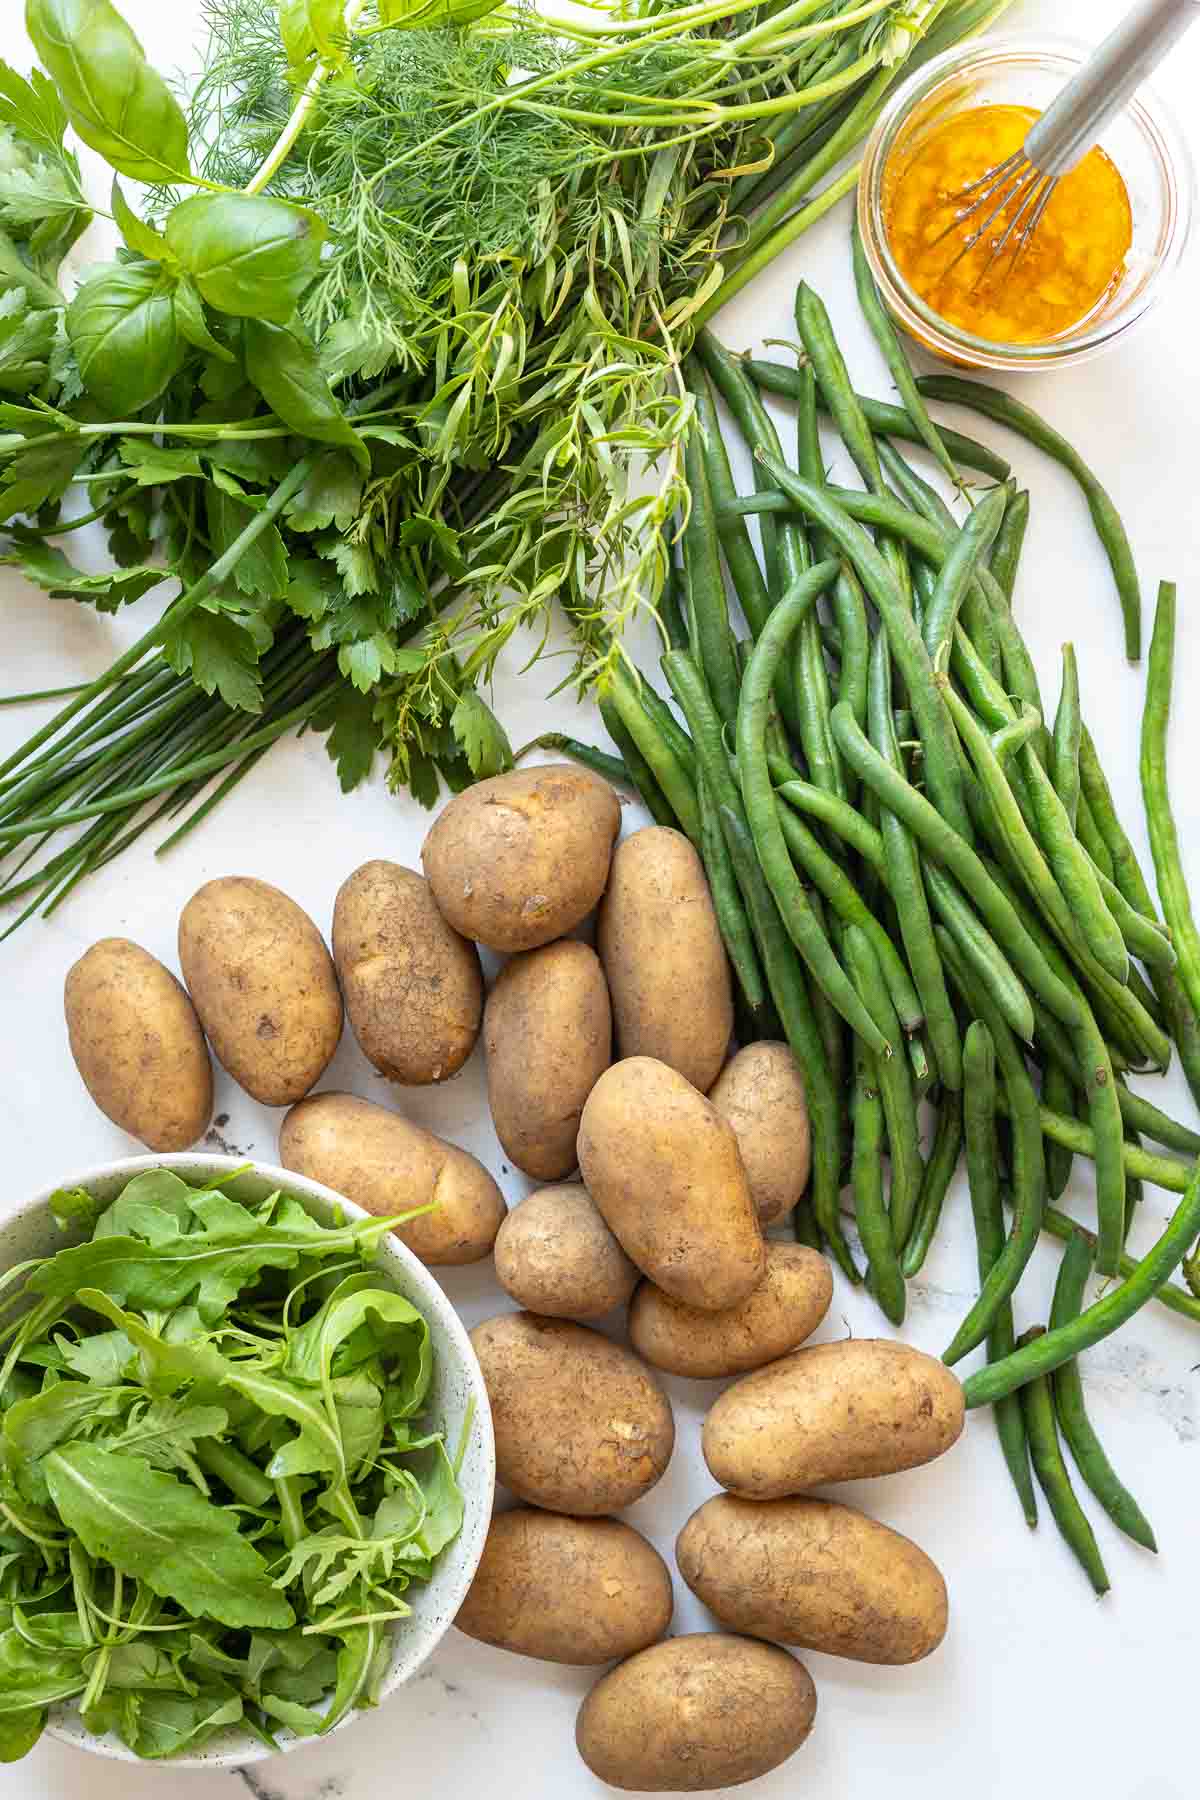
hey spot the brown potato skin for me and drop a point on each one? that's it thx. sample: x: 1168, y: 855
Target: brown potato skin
x: 519, y: 860
x: 557, y: 1257
x: 760, y: 1091
x: 138, y: 1046
x: 386, y: 1164
x: 413, y: 987
x: 664, y: 1169
x: 581, y: 1427
x: 815, y: 1574
x: 775, y: 1317
x: 832, y: 1412
x: 577, y: 1591
x: 264, y: 986
x: 547, y: 1031
x: 699, y: 1712
x: 661, y: 947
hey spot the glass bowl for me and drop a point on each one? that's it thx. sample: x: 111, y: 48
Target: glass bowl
x: 1143, y: 141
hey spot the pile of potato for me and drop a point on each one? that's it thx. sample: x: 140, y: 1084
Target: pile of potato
x: 660, y: 1170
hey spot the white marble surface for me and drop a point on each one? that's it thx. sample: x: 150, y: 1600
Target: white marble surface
x: 1038, y: 1687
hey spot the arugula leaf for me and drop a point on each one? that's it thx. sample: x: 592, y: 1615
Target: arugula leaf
x: 158, y: 1191
x: 164, y: 1725
x: 122, y: 329
x: 219, y: 655
x: 57, y: 575
x: 317, y: 1448
x: 164, y: 1431
x: 116, y: 102
x: 166, y: 1365
x: 73, y: 1207
x: 101, y: 1358
x: 483, y: 738
x: 286, y: 369
x: 140, y: 1665
x: 32, y: 1427
x: 32, y: 1677
x: 153, y: 1527
x: 19, y: 1732
x: 248, y: 254
x: 390, y: 1325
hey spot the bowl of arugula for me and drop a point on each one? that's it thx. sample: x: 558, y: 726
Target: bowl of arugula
x: 246, y: 1462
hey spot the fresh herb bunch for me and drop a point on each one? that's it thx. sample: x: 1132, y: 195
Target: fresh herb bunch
x: 380, y: 368
x: 215, y: 1487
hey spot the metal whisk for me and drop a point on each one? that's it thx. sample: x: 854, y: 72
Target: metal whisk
x: 1024, y: 182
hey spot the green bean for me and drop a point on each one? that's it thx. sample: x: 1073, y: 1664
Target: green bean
x: 1058, y: 1094
x: 886, y: 337
x: 968, y: 550
x: 943, y: 843
x: 1160, y: 822
x: 833, y: 1033
x: 810, y: 682
x: 1104, y: 1316
x: 1074, y: 871
x: 1073, y: 1420
x: 668, y: 771
x: 830, y: 879
x: 995, y: 404
x: 884, y: 1280
x: 1135, y: 1187
x: 912, y: 660
x: 1161, y: 1171
x: 1182, y: 1020
x: 1081, y: 914
x: 670, y: 610
x: 1091, y: 839
x: 935, y: 1183
x: 848, y: 604
x: 668, y: 726
x: 983, y: 1180
x: 894, y: 1083
x: 884, y: 419
x: 1011, y: 738
x: 980, y: 951
x: 740, y: 559
x: 1148, y: 940
x: 1097, y: 1080
x: 706, y: 584
x: 1141, y: 1115
x: 786, y: 983
x: 754, y: 423
x: 914, y: 490
x: 1006, y: 551
x: 1067, y: 726
x: 1176, y: 1299
x: 902, y: 875
x: 848, y: 824
x: 1038, y: 1406
x: 640, y: 772
x: 763, y: 815
x: 1029, y: 1172
x: 613, y: 768
x: 727, y: 904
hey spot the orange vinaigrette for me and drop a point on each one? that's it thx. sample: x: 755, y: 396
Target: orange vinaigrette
x: 1073, y: 260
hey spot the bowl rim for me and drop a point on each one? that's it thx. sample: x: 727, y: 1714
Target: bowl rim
x: 434, y: 1301
x: 1153, y: 116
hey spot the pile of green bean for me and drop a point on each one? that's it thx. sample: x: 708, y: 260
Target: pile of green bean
x: 921, y: 879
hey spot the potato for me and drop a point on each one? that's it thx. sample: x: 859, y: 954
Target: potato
x: 518, y: 860
x: 787, y: 1305
x: 547, y: 1030
x: 696, y: 1713
x: 264, y: 986
x: 575, y: 1591
x: 816, y: 1574
x: 581, y: 1426
x: 387, y: 1164
x: 664, y: 1169
x: 832, y: 1412
x: 413, y: 987
x: 556, y: 1256
x: 760, y: 1092
x: 658, y: 939
x: 138, y: 1045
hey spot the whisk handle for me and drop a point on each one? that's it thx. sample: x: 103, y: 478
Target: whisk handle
x: 1070, y: 126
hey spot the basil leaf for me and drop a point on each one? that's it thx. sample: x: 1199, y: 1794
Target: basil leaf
x: 248, y: 254
x: 141, y: 238
x: 424, y: 15
x: 189, y: 316
x: 122, y: 329
x: 153, y: 1527
x: 312, y: 28
x: 116, y: 102
x: 286, y: 370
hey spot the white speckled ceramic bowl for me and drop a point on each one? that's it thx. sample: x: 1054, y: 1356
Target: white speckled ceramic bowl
x: 457, y: 1388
